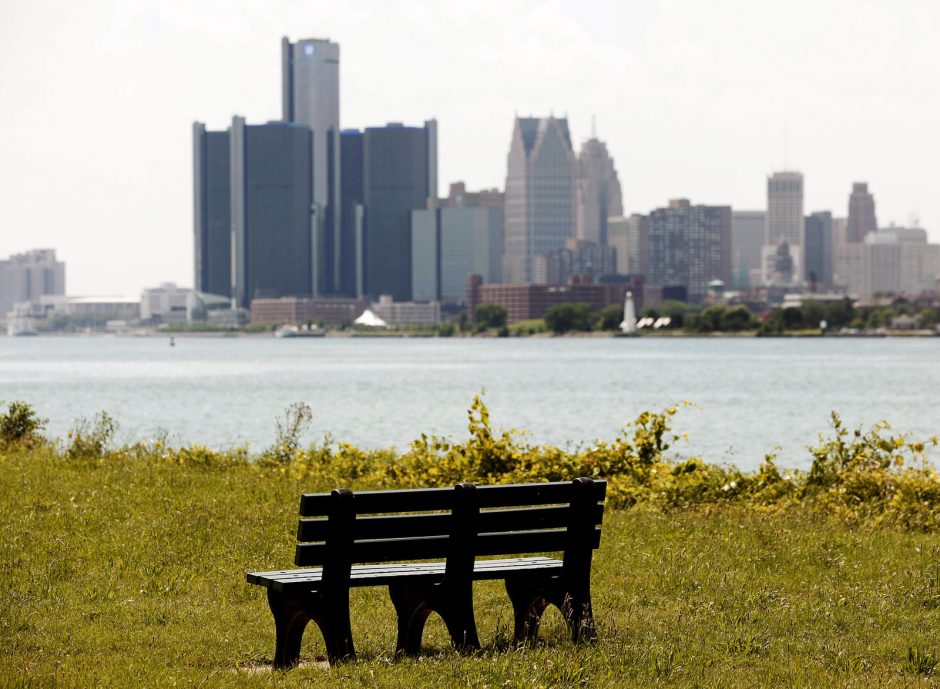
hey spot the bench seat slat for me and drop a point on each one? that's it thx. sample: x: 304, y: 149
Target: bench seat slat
x: 371, y: 575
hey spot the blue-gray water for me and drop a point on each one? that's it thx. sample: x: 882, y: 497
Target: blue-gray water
x: 750, y: 394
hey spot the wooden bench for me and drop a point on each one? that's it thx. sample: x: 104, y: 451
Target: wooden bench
x: 340, y: 530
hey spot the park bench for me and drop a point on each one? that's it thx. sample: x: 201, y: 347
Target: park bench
x: 340, y: 531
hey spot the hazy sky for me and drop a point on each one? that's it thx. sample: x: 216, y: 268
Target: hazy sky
x: 694, y: 99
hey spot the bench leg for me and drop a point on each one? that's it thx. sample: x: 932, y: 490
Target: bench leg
x: 291, y: 615
x: 415, y: 602
x: 531, y: 595
x: 529, y: 601
x: 576, y: 608
x: 290, y: 620
x: 332, y: 617
x: 412, y: 610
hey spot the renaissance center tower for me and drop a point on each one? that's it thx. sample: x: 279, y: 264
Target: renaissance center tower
x: 310, y: 92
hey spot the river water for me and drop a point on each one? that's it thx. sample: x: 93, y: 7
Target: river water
x: 750, y: 396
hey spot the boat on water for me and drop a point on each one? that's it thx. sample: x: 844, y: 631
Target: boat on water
x: 296, y: 331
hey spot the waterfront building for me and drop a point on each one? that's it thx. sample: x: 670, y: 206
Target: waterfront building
x: 581, y: 258
x: 165, y: 304
x: 450, y: 243
x: 861, y: 218
x: 540, y: 192
x: 212, y: 211
x: 397, y: 173
x: 271, y: 219
x: 328, y: 311
x: 747, y: 241
x: 525, y: 302
x: 892, y: 261
x: 28, y: 276
x: 407, y: 313
x: 689, y: 246
x: 784, y: 221
x: 310, y: 96
x: 598, y: 192
x: 630, y: 238
x: 818, y: 251
x: 352, y: 212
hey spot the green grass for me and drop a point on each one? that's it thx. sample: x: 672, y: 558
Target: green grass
x: 130, y: 573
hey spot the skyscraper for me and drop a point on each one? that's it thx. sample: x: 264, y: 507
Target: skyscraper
x: 352, y: 212
x: 747, y: 239
x: 399, y: 175
x: 310, y: 95
x: 212, y: 211
x: 785, y: 222
x: 689, y: 246
x: 271, y: 219
x: 28, y: 276
x: 862, y: 218
x: 818, y: 250
x: 630, y: 238
x: 540, y: 184
x: 598, y: 192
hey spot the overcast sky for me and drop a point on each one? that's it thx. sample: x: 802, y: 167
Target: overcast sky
x: 694, y: 99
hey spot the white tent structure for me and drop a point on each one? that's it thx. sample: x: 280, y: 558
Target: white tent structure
x: 368, y: 318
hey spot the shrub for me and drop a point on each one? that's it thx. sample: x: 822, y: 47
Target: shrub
x: 297, y: 419
x: 91, y: 439
x: 563, y: 318
x: 20, y: 426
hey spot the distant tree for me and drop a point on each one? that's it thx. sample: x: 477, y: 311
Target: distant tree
x: 709, y: 320
x: 610, y: 317
x: 812, y: 312
x: 563, y: 318
x: 792, y: 318
x: 736, y: 318
x: 675, y: 310
x: 772, y: 324
x: 490, y: 315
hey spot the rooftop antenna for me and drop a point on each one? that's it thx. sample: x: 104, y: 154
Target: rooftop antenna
x: 786, y: 147
x: 593, y: 126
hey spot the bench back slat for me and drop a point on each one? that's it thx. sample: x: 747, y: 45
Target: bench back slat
x: 441, y: 524
x: 436, y: 547
x: 498, y: 520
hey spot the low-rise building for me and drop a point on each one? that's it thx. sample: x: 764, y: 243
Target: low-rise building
x: 407, y: 312
x: 304, y: 309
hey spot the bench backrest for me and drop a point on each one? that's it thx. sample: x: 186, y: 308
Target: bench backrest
x: 342, y: 528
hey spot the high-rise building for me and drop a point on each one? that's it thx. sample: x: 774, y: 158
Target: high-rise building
x: 540, y: 191
x: 29, y: 276
x: 352, y: 213
x: 785, y: 222
x: 747, y: 239
x: 310, y: 96
x: 578, y: 258
x: 212, y: 211
x: 451, y: 243
x: 630, y: 238
x: 598, y: 192
x: 399, y: 176
x: 890, y: 262
x: 818, y: 250
x: 862, y: 218
x: 271, y: 204
x: 689, y: 246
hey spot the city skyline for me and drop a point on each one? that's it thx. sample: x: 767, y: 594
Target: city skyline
x: 101, y: 112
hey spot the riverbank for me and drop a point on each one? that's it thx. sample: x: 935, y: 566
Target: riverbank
x: 116, y: 571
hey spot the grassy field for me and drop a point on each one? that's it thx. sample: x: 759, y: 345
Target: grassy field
x: 127, y: 573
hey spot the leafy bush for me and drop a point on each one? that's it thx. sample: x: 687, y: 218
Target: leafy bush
x: 91, y: 439
x: 20, y: 426
x: 297, y: 419
x: 490, y: 315
x: 563, y: 318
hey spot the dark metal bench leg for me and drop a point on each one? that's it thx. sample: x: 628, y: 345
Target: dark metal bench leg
x: 290, y: 620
